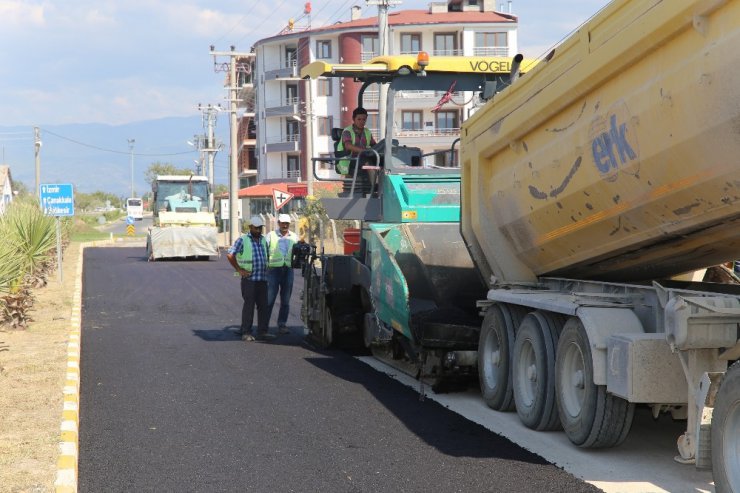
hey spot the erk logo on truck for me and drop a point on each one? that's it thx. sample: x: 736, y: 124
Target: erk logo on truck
x: 613, y: 142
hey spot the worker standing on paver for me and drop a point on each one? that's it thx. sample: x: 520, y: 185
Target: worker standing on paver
x: 280, y: 244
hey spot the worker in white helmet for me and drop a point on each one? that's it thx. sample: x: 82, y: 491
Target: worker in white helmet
x: 248, y: 256
x: 280, y: 244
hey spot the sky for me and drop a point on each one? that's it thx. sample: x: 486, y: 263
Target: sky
x: 117, y: 62
x: 114, y: 62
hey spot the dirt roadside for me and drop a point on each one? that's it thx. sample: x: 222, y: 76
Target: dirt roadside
x: 32, y: 374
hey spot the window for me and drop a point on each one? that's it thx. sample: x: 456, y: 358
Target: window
x: 373, y: 123
x: 292, y: 130
x: 291, y: 94
x: 411, y: 120
x: 447, y: 120
x: 323, y: 49
x: 292, y: 165
x: 446, y: 159
x: 370, y: 47
x: 290, y: 57
x: 324, y: 124
x: 323, y: 165
x: 491, y: 44
x: 410, y: 43
x: 324, y: 87
x: 445, y: 44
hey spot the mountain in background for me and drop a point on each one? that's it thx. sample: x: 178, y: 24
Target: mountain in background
x: 96, y: 156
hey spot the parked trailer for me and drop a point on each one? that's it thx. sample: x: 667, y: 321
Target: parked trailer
x: 586, y: 186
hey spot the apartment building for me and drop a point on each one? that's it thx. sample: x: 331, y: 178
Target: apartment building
x: 455, y: 27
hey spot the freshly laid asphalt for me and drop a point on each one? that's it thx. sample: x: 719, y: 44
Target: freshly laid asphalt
x: 173, y: 400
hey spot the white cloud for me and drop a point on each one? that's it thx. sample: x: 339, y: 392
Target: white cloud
x: 20, y: 14
x: 212, y: 24
x: 97, y: 18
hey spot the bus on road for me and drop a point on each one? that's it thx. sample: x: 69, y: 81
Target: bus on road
x: 135, y: 208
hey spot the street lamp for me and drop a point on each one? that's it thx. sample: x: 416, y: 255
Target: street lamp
x: 131, y: 143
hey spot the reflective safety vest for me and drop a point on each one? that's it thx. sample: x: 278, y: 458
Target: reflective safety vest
x: 276, y: 258
x: 343, y: 164
x: 244, y: 258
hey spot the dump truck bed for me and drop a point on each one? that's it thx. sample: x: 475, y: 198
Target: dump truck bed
x: 616, y: 159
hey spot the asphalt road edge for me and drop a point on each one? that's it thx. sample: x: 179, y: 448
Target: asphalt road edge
x: 66, y: 477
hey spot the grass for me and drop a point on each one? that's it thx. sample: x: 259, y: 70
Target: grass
x: 83, y: 236
x: 88, y: 236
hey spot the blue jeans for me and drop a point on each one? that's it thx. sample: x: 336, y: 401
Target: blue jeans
x: 280, y: 278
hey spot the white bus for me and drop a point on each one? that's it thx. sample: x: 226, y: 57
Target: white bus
x: 135, y: 208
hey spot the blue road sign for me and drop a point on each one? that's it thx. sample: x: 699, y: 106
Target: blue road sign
x: 57, y: 199
x: 129, y: 219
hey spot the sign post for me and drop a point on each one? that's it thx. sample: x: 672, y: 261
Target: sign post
x: 57, y: 200
x: 130, y: 226
x: 280, y: 198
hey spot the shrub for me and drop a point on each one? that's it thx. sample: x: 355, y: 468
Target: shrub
x: 28, y: 253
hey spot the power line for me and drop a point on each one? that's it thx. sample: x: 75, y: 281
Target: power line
x: 277, y: 9
x: 228, y: 31
x: 113, y: 151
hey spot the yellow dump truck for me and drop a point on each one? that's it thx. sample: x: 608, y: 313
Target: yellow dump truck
x: 587, y: 187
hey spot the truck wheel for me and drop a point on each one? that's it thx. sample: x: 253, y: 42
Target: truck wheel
x: 534, y: 370
x: 590, y: 416
x: 726, y: 433
x: 328, y: 333
x: 495, y: 349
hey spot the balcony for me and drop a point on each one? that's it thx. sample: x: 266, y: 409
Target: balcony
x: 455, y: 52
x: 429, y: 139
x: 283, y: 143
x: 371, y: 96
x: 430, y: 132
x: 491, y: 51
x: 282, y: 107
x: 287, y: 70
x: 411, y: 100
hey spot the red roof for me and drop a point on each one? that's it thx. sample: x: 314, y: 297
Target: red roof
x: 405, y: 17
x: 262, y: 190
x: 410, y: 17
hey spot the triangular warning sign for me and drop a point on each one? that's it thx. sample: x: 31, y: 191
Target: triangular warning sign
x: 280, y: 198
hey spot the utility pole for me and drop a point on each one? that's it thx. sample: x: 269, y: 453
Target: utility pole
x: 131, y: 143
x: 309, y: 138
x: 37, y: 154
x: 211, y: 146
x: 234, y: 154
x: 384, y: 37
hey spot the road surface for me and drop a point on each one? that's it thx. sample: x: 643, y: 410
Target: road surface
x: 173, y: 400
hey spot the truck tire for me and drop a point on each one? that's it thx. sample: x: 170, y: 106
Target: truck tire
x: 534, y: 370
x: 495, y: 350
x: 591, y: 417
x: 327, y: 336
x: 726, y: 433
